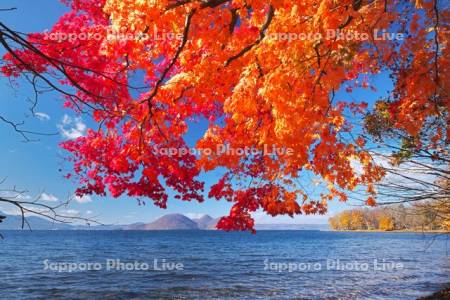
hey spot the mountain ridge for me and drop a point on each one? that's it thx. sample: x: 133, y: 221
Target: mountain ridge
x: 166, y: 222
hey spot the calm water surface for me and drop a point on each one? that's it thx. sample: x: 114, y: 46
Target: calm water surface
x: 218, y: 265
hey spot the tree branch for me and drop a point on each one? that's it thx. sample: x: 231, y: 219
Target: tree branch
x: 262, y: 34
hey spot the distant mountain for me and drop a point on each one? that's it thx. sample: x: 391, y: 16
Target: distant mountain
x: 212, y: 224
x: 99, y: 227
x: 203, y: 222
x: 169, y: 222
x: 206, y: 222
x: 134, y: 226
x: 12, y: 222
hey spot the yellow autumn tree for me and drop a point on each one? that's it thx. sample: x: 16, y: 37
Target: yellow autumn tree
x: 386, y: 223
x: 358, y: 220
x: 345, y: 221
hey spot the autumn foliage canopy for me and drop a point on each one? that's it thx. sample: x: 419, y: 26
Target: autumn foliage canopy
x: 262, y: 74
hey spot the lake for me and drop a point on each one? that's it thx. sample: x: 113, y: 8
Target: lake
x: 219, y: 265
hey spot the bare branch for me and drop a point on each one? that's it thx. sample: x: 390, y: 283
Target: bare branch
x: 8, y: 9
x: 17, y: 199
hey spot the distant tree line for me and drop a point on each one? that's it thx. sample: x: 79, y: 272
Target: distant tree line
x: 429, y: 215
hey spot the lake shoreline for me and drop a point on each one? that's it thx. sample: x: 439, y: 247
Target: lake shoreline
x: 395, y: 231
x: 442, y: 294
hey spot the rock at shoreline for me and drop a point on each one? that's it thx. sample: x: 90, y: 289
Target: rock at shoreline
x: 443, y: 294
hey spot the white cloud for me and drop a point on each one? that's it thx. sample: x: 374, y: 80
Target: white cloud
x: 194, y: 215
x: 9, y: 210
x: 71, y: 212
x: 42, y: 116
x: 82, y: 200
x: 14, y: 195
x: 263, y: 218
x: 413, y: 171
x: 48, y: 197
x: 15, y: 211
x: 89, y: 212
x: 72, y: 128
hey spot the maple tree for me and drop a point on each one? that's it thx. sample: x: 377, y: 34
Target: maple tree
x: 242, y: 66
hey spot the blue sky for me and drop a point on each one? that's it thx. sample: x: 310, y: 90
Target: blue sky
x: 35, y: 166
